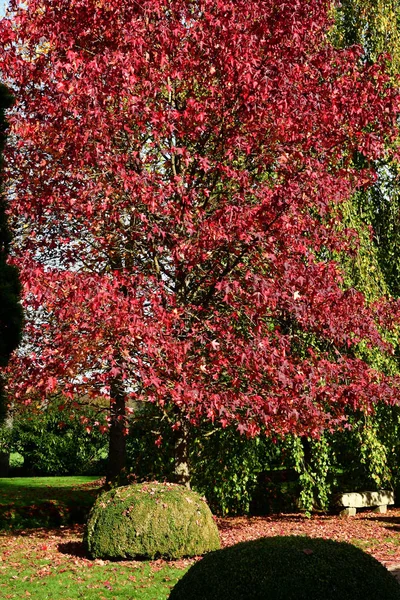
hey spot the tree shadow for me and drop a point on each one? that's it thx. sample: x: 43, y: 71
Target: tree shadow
x: 389, y: 522
x: 43, y: 532
x: 229, y: 523
x: 75, y: 548
x: 396, y: 573
x: 15, y: 491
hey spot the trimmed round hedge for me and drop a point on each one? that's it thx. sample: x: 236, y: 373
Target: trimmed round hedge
x: 150, y: 520
x: 287, y: 568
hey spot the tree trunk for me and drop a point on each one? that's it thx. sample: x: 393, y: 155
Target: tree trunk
x: 181, y: 470
x: 4, y: 464
x: 117, y: 441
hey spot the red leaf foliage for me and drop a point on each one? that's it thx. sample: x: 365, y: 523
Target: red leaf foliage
x: 177, y: 170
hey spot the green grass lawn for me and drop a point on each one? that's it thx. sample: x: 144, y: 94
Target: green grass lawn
x: 42, y: 555
x: 39, y: 579
x: 45, y: 559
x: 51, y: 564
x: 45, y: 501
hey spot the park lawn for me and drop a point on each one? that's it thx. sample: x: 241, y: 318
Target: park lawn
x: 41, y: 551
x: 51, y: 562
x: 46, y: 501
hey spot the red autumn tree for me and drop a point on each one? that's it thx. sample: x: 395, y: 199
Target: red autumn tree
x: 176, y: 174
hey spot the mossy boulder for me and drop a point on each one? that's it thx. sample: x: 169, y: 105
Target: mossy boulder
x: 150, y: 520
x: 287, y: 568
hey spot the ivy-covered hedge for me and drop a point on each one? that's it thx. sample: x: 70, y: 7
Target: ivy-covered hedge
x: 225, y: 466
x: 238, y: 475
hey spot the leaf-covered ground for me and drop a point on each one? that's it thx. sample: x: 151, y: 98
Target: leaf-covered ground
x: 51, y: 563
x: 375, y: 533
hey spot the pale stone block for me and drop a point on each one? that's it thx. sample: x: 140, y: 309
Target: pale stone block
x: 381, y: 509
x: 367, y: 499
x: 348, y: 512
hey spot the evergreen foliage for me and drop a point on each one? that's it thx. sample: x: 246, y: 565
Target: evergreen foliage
x: 10, y: 308
x: 372, y: 24
x: 287, y: 568
x: 374, y: 268
x: 54, y: 443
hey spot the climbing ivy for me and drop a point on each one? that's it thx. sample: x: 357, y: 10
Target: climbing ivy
x: 372, y: 24
x: 313, y: 460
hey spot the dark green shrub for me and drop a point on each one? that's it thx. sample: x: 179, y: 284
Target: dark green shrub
x: 148, y: 520
x: 56, y: 442
x: 144, y: 458
x: 277, y: 491
x: 238, y: 475
x: 287, y: 568
x: 11, y: 315
x: 224, y: 465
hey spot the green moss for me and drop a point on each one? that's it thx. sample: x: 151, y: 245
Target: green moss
x: 288, y: 568
x: 148, y: 520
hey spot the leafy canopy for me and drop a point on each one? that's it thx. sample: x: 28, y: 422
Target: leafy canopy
x: 179, y: 168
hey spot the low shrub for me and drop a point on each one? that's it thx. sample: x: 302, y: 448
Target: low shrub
x: 148, y: 520
x: 287, y: 568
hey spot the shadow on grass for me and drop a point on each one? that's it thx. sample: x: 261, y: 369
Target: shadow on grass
x: 64, y: 532
x: 46, y: 502
x: 76, y: 549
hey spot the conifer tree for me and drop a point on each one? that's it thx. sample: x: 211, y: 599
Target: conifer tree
x: 10, y: 307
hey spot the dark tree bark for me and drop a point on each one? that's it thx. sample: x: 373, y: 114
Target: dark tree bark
x: 117, y: 440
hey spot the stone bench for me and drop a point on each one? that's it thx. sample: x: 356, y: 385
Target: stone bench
x: 353, y: 500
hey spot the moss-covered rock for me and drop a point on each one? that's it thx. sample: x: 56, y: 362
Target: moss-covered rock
x: 148, y: 520
x: 287, y: 568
